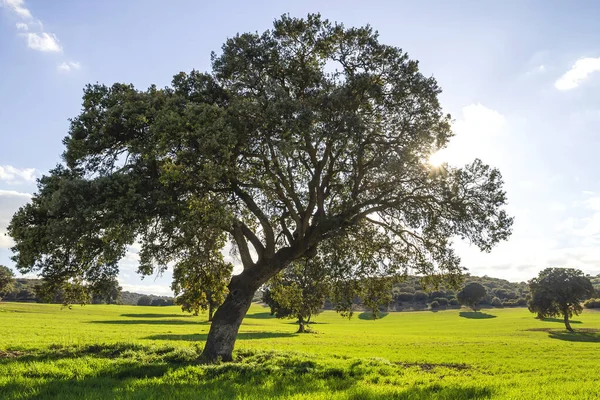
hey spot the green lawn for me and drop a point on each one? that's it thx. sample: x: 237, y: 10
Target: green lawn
x: 128, y: 352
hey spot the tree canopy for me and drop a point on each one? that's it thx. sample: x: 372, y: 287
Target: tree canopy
x: 7, y: 280
x: 299, y: 291
x: 559, y: 291
x: 471, y: 295
x: 310, y: 138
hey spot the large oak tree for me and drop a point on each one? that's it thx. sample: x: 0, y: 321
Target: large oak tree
x: 308, y: 139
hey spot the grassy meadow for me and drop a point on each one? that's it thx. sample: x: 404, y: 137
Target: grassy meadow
x: 132, y: 352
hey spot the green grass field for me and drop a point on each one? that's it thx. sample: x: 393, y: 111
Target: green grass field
x: 129, y: 352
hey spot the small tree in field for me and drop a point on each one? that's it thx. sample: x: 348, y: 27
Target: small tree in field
x: 299, y: 292
x: 376, y: 292
x: 559, y: 292
x: 201, y: 284
x: 7, y: 280
x: 471, y: 295
x: 144, y: 301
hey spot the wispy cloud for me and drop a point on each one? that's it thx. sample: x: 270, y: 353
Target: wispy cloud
x: 46, y: 42
x: 18, y: 7
x: 68, y: 66
x: 12, y: 175
x: 33, y: 31
x: 10, y: 201
x: 579, y: 73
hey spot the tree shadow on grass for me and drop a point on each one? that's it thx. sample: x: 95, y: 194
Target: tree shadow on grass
x: 171, y: 372
x: 580, y: 335
x: 369, y: 315
x: 260, y: 315
x: 156, y: 315
x: 562, y: 321
x: 194, y: 337
x: 475, y: 315
x: 156, y: 321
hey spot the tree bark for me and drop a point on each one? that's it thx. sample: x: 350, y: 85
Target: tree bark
x: 229, y: 315
x: 567, y: 323
x: 301, y: 328
x: 211, y: 311
x: 226, y: 322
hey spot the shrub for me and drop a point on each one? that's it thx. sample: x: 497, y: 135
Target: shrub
x: 454, y: 301
x: 521, y: 302
x: 437, y: 294
x: 159, y: 302
x: 144, y: 301
x: 420, y: 296
x: 592, y: 303
x: 407, y: 289
x: 496, y: 302
x: 434, y: 304
x: 405, y: 296
x: 442, y: 301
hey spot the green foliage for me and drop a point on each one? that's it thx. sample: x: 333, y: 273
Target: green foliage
x: 405, y: 296
x: 442, y: 301
x: 376, y: 293
x: 7, y: 280
x: 434, y: 305
x: 559, y: 291
x: 299, y: 292
x: 471, y: 295
x: 496, y: 302
x: 420, y: 296
x: 107, y: 292
x: 592, y: 303
x: 200, y: 279
x: 144, y: 301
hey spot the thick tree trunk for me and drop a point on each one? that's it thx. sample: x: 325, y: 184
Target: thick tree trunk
x: 229, y: 315
x: 567, y: 323
x: 226, y: 322
x: 301, y: 328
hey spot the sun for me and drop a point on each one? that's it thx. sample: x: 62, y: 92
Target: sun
x: 438, y: 158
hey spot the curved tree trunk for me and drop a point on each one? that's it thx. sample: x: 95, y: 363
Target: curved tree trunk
x: 567, y: 323
x: 301, y: 328
x: 229, y: 315
x: 226, y: 322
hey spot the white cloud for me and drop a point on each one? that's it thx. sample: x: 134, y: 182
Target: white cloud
x: 10, y: 201
x: 18, y: 7
x: 159, y: 290
x: 68, y: 66
x: 12, y: 175
x: 46, y: 42
x: 41, y: 40
x: 579, y: 73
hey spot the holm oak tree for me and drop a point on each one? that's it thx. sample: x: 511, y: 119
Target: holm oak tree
x: 308, y: 139
x: 559, y: 292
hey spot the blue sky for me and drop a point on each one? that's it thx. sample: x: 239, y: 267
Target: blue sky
x: 520, y: 78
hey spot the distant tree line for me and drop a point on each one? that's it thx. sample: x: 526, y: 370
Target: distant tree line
x: 155, y: 301
x: 299, y: 294
x: 37, y: 291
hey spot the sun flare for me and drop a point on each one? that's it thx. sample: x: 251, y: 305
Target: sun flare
x: 438, y: 158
